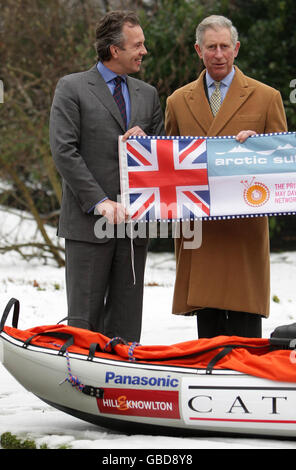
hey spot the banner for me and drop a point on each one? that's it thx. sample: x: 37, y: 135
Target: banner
x: 182, y: 178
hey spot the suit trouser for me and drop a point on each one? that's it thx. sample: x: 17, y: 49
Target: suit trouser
x: 101, y: 292
x: 215, y: 322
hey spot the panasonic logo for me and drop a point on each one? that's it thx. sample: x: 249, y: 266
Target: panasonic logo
x: 167, y: 381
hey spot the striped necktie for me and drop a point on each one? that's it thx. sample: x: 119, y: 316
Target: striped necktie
x: 118, y: 96
x: 215, y: 100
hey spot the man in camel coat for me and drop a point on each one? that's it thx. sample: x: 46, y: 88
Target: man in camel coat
x: 226, y: 281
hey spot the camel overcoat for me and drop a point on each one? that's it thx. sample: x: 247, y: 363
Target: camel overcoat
x: 231, y: 269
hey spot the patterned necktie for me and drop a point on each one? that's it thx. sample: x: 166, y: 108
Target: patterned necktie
x: 118, y: 96
x: 215, y: 100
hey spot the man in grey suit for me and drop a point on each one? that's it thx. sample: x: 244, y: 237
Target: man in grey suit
x: 104, y: 276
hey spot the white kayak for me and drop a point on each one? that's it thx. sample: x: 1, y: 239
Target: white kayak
x: 107, y: 382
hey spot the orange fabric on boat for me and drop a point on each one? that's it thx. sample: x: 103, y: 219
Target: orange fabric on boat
x: 253, y: 356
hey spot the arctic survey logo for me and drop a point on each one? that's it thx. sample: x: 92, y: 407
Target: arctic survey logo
x: 256, y: 177
x: 255, y: 155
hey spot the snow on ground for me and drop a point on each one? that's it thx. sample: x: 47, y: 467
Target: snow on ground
x: 41, y: 291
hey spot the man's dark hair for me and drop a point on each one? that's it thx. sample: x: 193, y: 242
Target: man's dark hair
x: 109, y: 32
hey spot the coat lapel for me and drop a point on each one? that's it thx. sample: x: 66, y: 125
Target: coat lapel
x: 100, y: 90
x: 237, y: 94
x: 198, y: 104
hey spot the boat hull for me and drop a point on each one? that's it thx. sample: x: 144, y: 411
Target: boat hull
x: 152, y: 398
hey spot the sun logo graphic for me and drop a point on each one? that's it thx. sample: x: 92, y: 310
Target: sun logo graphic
x: 256, y: 194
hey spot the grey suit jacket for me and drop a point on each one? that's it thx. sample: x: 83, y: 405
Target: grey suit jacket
x: 84, y: 127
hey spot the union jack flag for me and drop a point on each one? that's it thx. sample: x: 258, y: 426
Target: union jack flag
x: 165, y: 178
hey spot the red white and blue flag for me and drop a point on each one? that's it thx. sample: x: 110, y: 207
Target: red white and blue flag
x: 165, y: 178
x: 181, y: 178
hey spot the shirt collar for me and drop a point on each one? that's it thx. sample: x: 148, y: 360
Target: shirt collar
x: 107, y: 74
x: 226, y: 80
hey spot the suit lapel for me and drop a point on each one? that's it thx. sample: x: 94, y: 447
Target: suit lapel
x: 133, y: 88
x: 238, y: 93
x: 100, y: 90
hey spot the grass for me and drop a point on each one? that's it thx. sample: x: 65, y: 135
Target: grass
x: 10, y: 441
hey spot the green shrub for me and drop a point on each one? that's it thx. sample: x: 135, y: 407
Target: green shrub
x: 10, y: 441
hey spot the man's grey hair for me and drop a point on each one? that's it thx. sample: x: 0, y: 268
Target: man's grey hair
x: 215, y: 22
